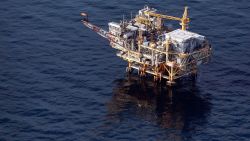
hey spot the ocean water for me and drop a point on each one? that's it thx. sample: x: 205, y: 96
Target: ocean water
x: 61, y: 81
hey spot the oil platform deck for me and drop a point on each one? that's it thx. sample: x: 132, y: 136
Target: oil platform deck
x: 150, y: 47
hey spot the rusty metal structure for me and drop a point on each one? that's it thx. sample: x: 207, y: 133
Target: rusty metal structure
x: 150, y: 47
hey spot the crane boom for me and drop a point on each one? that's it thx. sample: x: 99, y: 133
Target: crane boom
x: 183, y: 21
x: 162, y: 16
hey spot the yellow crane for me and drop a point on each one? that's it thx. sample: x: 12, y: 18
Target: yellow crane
x: 183, y: 21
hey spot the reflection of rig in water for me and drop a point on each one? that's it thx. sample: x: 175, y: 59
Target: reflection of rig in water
x: 180, y: 108
x: 150, y: 47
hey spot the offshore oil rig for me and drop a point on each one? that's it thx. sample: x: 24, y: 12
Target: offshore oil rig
x: 150, y: 47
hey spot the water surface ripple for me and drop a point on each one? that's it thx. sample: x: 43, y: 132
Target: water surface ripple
x: 60, y: 81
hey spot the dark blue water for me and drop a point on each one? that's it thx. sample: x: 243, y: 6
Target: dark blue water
x: 60, y: 81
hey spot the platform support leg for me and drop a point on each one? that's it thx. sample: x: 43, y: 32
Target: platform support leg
x: 129, y: 69
x: 142, y: 70
x: 170, y: 81
x: 194, y: 74
x: 156, y: 72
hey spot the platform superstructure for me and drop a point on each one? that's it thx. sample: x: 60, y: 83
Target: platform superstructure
x: 150, y: 47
